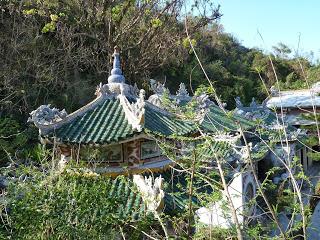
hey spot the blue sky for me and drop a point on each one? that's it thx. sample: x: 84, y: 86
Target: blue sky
x: 276, y: 20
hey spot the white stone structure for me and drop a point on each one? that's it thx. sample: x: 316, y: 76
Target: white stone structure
x: 151, y: 191
x: 242, y: 190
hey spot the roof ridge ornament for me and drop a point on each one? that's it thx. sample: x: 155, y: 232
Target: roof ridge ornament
x: 239, y: 104
x: 151, y: 191
x: 182, y: 91
x: 45, y: 115
x: 138, y: 108
x: 157, y: 87
x: 116, y: 72
x: 254, y: 111
x: 253, y: 103
x: 134, y: 111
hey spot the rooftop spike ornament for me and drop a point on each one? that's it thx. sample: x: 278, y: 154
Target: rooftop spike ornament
x: 116, y: 73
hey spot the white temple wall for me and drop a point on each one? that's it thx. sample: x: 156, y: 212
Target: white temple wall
x: 219, y: 215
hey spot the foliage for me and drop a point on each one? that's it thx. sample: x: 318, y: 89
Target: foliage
x: 204, y: 233
x: 71, y: 205
x: 14, y: 140
x: 152, y: 40
x: 59, y: 51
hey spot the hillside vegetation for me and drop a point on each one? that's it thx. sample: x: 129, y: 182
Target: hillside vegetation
x: 57, y: 51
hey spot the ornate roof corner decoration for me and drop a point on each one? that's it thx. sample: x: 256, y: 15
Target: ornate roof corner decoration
x: 182, y: 92
x: 203, y: 101
x: 277, y: 126
x: 233, y: 139
x: 102, y: 90
x: 157, y: 87
x: 155, y: 100
x: 254, y: 111
x: 202, y: 107
x: 138, y: 108
x: 151, y: 192
x: 44, y: 116
x: 253, y: 103
x: 243, y: 152
x: 135, y: 112
x: 239, y: 104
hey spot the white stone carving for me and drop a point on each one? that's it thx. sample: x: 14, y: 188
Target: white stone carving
x: 254, y: 111
x: 157, y: 87
x: 203, y: 101
x: 134, y: 111
x: 238, y: 102
x: 116, y: 81
x: 239, y: 151
x: 111, y: 90
x: 102, y: 89
x: 138, y: 107
x: 182, y: 91
x: 151, y: 191
x: 44, y: 115
x: 45, y: 127
x: 116, y: 73
x: 253, y: 103
x: 243, y: 152
x: 230, y: 138
x: 155, y: 100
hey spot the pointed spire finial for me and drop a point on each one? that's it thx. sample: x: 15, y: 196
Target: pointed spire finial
x: 116, y: 73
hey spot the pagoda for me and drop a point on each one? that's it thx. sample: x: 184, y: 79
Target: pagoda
x: 118, y: 134
x: 119, y: 123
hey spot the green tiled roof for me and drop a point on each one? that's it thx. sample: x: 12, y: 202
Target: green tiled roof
x: 105, y: 123
x: 162, y: 124
x: 217, y: 120
x: 125, y: 190
x: 121, y: 189
x: 219, y: 148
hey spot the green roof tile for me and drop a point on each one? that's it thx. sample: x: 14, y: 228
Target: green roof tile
x: 160, y: 123
x: 106, y: 123
x: 217, y: 120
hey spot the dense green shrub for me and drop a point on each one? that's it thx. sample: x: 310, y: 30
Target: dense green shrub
x: 72, y: 205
